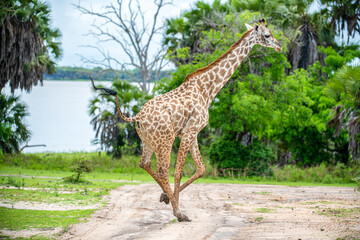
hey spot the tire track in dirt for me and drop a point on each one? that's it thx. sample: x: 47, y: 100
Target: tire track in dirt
x: 222, y: 211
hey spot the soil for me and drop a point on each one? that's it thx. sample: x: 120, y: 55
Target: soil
x: 226, y: 211
x: 222, y: 211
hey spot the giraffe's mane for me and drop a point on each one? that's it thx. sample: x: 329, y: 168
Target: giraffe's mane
x: 204, y: 69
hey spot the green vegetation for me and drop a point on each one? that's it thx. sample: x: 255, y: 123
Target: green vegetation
x: 18, y: 219
x: 57, y: 166
x: 39, y: 178
x: 251, y: 160
x: 49, y: 187
x: 82, y: 167
x: 280, y: 117
x: 54, y: 195
x: 277, y: 109
x: 340, y: 212
x: 29, y: 45
x: 339, y: 173
x: 322, y: 202
x: 13, y: 130
x: 113, y: 133
x: 262, y: 193
x: 265, y: 210
x: 29, y: 48
x: 34, y: 237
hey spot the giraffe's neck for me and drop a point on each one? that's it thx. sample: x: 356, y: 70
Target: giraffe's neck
x: 220, y: 71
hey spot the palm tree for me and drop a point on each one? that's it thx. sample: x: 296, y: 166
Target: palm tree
x: 344, y: 86
x: 13, y: 131
x: 111, y: 133
x: 344, y: 14
x: 28, y: 45
x: 303, y: 49
x: 298, y: 25
x: 186, y: 30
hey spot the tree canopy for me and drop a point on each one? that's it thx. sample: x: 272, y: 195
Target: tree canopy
x: 277, y: 108
x: 28, y: 49
x: 29, y: 46
x: 280, y: 99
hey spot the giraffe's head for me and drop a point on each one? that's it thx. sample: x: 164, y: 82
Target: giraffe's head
x: 263, y: 36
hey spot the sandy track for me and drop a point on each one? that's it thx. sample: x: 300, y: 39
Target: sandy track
x: 225, y: 211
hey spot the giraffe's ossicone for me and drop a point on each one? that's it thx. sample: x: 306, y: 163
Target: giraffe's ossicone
x: 183, y: 112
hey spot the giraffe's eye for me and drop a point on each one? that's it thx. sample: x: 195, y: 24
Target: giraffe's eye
x: 267, y: 35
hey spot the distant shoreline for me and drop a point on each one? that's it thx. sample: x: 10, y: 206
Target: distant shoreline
x: 98, y: 74
x: 79, y: 80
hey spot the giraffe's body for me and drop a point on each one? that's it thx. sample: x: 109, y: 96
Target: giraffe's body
x: 183, y: 112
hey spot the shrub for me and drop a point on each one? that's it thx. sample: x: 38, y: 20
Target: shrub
x: 232, y: 156
x: 318, y: 174
x: 82, y: 166
x: 10, y: 181
x: 357, y: 181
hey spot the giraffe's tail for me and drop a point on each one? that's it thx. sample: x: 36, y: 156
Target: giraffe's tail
x: 107, y: 91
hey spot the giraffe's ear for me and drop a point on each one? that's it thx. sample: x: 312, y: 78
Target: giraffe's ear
x: 248, y: 26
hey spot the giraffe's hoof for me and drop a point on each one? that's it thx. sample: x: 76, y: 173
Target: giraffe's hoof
x: 183, y: 218
x: 164, y: 198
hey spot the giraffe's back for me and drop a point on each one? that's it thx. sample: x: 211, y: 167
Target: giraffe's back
x: 167, y: 115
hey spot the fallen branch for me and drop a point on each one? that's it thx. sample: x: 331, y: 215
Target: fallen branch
x: 35, y: 145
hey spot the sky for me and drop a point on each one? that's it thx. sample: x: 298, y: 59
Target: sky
x: 75, y: 27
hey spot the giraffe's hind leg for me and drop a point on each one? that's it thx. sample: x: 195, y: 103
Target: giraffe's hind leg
x: 145, y: 163
x: 163, y: 163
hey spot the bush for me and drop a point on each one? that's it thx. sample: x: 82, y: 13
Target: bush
x: 10, y: 181
x: 317, y: 174
x: 82, y: 166
x: 231, y: 156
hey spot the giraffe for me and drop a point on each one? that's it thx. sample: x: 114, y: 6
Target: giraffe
x: 183, y: 112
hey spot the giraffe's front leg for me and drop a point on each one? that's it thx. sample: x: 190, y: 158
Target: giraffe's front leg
x: 163, y: 176
x: 200, y: 168
x: 186, y: 142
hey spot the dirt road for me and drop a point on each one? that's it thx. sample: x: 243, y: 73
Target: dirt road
x: 226, y: 211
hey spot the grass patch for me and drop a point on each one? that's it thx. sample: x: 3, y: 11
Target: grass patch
x: 35, y: 237
x: 238, y: 204
x: 101, y: 162
x: 43, y: 182
x: 81, y: 198
x: 105, y: 167
x: 18, y: 219
x: 340, y: 212
x: 322, y: 202
x: 98, y: 177
x: 265, y: 181
x: 262, y: 193
x: 338, y: 173
x: 265, y: 210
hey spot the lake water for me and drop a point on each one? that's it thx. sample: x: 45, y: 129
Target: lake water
x: 59, y: 116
